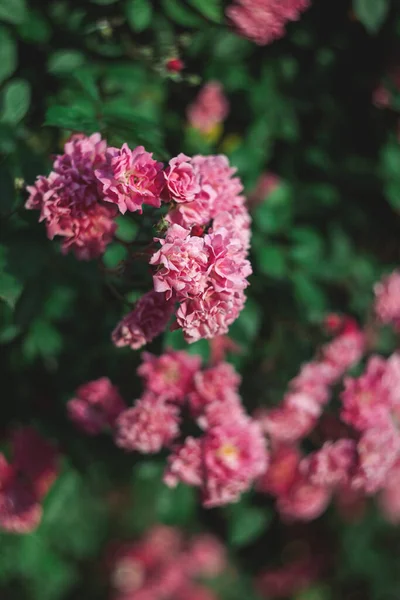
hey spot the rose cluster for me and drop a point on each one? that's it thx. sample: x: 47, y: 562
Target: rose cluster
x: 164, y: 565
x: 200, y: 265
x: 25, y: 481
x: 228, y: 453
x: 264, y: 21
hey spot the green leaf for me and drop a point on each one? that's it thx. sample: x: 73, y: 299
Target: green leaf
x: 177, y: 11
x: 65, y: 61
x: 77, y: 118
x: 16, y: 98
x: 42, y: 339
x: 271, y: 260
x: 10, y: 289
x: 139, y: 13
x: 247, y: 523
x: 114, y: 254
x: 8, y: 53
x: 176, y: 506
x: 13, y: 11
x: 309, y: 295
x: 371, y: 13
x: 35, y: 28
x: 127, y: 229
x: 211, y: 9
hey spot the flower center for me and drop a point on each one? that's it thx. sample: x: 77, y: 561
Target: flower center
x: 228, y: 453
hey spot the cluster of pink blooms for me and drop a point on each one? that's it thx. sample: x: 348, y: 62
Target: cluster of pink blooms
x: 164, y: 565
x: 201, y: 264
x: 264, y: 21
x: 223, y: 460
x: 387, y: 300
x: 200, y: 267
x: 25, y: 481
x: 209, y: 109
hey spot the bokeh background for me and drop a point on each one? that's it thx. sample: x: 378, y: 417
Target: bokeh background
x: 319, y: 110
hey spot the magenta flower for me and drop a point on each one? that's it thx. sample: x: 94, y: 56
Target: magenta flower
x: 148, y: 426
x: 264, y: 21
x: 210, y: 108
x: 304, y: 501
x: 146, y: 321
x: 96, y: 406
x: 169, y: 375
x: 69, y: 200
x: 131, y: 178
x: 182, y: 181
x: 333, y: 464
x: 282, y: 470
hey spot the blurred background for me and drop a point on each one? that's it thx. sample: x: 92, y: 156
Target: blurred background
x: 311, y: 122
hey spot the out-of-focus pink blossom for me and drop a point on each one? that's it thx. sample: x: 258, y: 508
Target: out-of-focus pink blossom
x: 281, y: 472
x: 146, y: 321
x: 70, y: 202
x: 264, y: 21
x: 381, y: 97
x: 210, y: 108
x: 350, y: 503
x: 214, y: 384
x: 345, y: 350
x: 206, y: 556
x: 182, y: 180
x: 389, y: 497
x: 365, y: 399
x: 266, y: 185
x: 303, y: 501
x: 131, y: 178
x: 169, y: 375
x: 96, y: 406
x: 148, y: 426
x: 185, y: 464
x: 220, y: 346
x: 288, y: 580
x: 25, y: 481
x: 287, y: 424
x: 387, y: 299
x: 332, y: 465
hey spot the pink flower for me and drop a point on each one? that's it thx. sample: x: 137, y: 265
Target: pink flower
x: 170, y: 375
x: 182, y: 264
x: 314, y: 379
x: 345, y: 350
x: 96, y: 406
x: 228, y: 268
x: 25, y: 482
x: 234, y: 454
x: 303, y: 501
x: 195, y: 592
x: 209, y: 109
x: 185, y: 464
x: 263, y: 21
x: 332, y: 465
x: 148, y: 426
x: 387, y: 299
x: 209, y: 315
x: 148, y: 319
x: 206, y: 556
x: 213, y: 385
x: 288, y: 424
x: 220, y: 346
x: 267, y: 183
x: 378, y: 450
x: 365, y: 400
x: 70, y: 202
x: 182, y: 181
x: 290, y: 579
x: 131, y: 178
x: 281, y: 472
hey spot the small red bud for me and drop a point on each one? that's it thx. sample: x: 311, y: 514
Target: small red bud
x: 175, y: 65
x: 333, y: 323
x: 197, y: 231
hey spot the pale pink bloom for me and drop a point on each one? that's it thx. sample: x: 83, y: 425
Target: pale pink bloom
x: 332, y: 465
x: 214, y: 413
x: 131, y: 178
x: 210, y: 108
x: 290, y: 579
x: 195, y: 213
x: 209, y: 315
x: 303, y: 501
x: 185, y: 464
x: 148, y: 426
x: 387, y: 299
x: 389, y: 497
x: 345, y: 350
x: 216, y: 174
x: 182, y: 181
x: 25, y: 482
x: 281, y: 472
x: 213, y: 385
x: 96, y: 406
x: 146, y: 321
x: 182, y: 264
x: 264, y: 21
x: 169, y: 375
x: 206, y: 556
x: 228, y: 268
x: 365, y: 400
x: 288, y: 424
x: 391, y: 383
x: 314, y: 379
x: 378, y: 450
x: 233, y: 456
x: 70, y: 202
